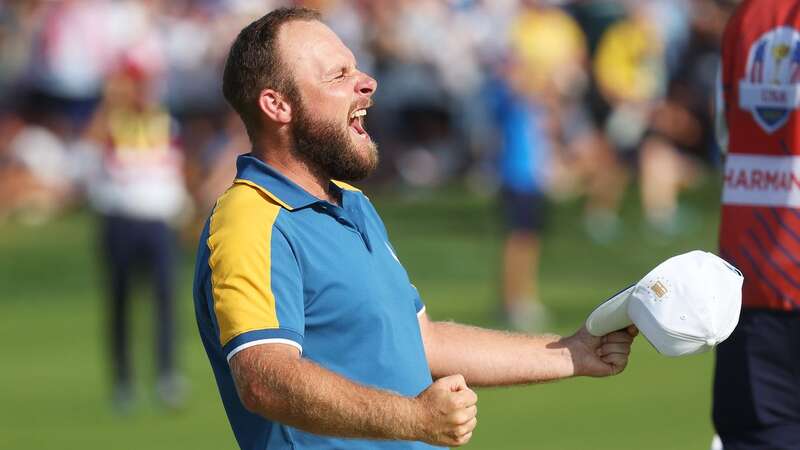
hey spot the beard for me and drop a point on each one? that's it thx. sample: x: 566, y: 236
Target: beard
x: 328, y: 149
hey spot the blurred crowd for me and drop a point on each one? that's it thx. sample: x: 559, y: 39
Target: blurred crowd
x: 568, y: 98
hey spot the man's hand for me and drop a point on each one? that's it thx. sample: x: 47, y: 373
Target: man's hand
x: 600, y: 356
x: 449, y: 412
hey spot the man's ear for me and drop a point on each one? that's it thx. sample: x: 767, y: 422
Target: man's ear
x: 275, y: 106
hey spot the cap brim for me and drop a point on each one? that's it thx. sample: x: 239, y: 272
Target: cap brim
x: 611, y: 315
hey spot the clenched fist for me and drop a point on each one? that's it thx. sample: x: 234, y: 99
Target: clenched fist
x: 448, y: 412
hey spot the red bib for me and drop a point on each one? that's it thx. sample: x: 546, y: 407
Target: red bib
x: 760, y: 228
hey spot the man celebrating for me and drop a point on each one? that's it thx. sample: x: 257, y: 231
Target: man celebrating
x: 316, y: 336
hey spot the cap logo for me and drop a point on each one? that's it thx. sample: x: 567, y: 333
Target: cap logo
x: 659, y: 289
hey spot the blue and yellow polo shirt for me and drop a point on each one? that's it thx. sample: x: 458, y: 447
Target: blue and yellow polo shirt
x: 278, y: 265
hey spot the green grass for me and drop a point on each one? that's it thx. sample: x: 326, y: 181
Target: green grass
x: 53, y: 375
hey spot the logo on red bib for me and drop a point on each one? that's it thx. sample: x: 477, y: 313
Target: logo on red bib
x: 769, y: 89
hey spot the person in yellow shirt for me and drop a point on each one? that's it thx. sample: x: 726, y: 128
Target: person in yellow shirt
x: 137, y: 189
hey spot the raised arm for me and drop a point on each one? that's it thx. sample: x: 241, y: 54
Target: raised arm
x: 275, y: 382
x: 496, y: 358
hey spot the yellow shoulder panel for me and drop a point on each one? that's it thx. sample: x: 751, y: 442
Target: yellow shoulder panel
x: 239, y: 240
x: 264, y: 191
x: 345, y: 186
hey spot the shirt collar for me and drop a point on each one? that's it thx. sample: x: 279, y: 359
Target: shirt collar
x: 254, y: 172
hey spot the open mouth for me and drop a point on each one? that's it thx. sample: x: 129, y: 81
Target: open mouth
x: 357, y: 123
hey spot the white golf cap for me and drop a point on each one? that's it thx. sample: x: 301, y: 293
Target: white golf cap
x: 686, y: 305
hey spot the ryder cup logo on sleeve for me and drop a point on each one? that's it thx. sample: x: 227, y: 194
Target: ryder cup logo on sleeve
x: 687, y: 304
x: 769, y: 89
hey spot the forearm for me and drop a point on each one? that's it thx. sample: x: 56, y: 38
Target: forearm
x: 306, y: 396
x: 495, y: 358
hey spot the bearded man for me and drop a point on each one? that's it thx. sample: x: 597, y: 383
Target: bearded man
x: 316, y: 336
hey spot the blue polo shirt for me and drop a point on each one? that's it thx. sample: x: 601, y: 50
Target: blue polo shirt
x: 278, y: 265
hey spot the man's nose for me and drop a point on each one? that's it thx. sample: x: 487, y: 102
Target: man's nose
x: 366, y: 85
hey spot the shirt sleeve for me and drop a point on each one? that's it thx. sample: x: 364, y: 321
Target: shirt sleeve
x: 255, y: 278
x: 419, y: 306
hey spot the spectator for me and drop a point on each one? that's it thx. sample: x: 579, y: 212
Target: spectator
x: 522, y: 163
x: 138, y: 192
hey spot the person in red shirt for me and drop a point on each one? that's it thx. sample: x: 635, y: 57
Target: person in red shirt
x: 756, y: 385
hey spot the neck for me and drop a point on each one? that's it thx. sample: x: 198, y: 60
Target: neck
x: 285, y: 161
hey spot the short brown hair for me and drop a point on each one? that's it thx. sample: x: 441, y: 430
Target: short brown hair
x: 254, y: 63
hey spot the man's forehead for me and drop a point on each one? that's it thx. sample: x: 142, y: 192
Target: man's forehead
x: 312, y: 45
